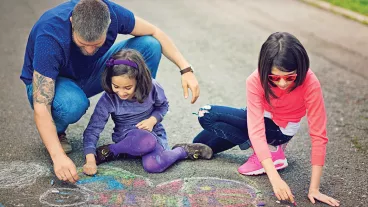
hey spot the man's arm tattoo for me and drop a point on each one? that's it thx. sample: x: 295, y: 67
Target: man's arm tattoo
x: 43, y: 89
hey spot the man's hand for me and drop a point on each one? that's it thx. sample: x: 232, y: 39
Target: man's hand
x: 147, y: 124
x: 188, y: 80
x: 65, y: 169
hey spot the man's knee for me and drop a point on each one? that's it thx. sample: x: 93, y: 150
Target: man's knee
x: 70, y: 108
x: 152, y: 43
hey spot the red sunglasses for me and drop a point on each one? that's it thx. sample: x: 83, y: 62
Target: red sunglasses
x: 277, y: 78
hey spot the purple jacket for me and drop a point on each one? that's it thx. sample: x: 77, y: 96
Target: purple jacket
x: 126, y: 114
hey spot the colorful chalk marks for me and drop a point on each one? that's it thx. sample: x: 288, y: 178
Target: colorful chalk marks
x: 117, y: 187
x: 204, y: 191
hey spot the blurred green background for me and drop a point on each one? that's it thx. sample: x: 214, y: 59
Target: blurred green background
x: 360, y: 6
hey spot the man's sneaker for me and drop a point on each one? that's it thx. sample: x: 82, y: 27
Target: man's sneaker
x: 196, y: 151
x: 65, y: 143
x: 254, y: 167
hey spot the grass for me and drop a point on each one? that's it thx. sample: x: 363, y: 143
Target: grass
x: 359, y: 146
x: 360, y: 6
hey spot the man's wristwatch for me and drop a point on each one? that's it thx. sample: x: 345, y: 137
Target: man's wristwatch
x: 188, y: 69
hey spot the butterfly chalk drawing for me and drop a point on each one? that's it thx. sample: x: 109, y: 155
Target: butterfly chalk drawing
x: 114, y: 187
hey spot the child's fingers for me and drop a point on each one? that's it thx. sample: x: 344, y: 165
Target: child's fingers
x: 330, y: 201
x: 91, y: 171
x: 284, y: 195
x: 185, y: 89
x: 140, y: 126
x: 290, y: 196
x: 195, y: 93
x: 311, y: 199
x: 278, y: 196
x: 335, y: 202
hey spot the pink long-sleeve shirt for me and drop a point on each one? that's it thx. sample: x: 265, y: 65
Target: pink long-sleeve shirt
x: 287, y: 108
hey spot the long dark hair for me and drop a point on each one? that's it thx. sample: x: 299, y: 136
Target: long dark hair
x: 283, y: 51
x: 142, y: 74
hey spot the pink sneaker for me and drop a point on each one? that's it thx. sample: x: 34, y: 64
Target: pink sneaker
x: 254, y: 167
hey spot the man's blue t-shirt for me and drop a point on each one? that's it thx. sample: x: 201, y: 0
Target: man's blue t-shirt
x: 51, y: 51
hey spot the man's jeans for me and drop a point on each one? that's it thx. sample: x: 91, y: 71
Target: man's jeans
x: 226, y: 127
x: 71, y: 97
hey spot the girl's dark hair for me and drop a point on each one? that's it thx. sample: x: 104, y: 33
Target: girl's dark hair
x: 283, y: 51
x: 142, y: 74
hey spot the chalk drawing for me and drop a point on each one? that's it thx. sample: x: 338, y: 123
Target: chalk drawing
x: 64, y: 197
x: 113, y: 179
x: 116, y: 187
x: 20, y: 174
x: 30, y: 200
x: 209, y: 191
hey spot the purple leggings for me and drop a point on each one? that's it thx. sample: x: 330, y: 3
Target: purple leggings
x: 143, y: 143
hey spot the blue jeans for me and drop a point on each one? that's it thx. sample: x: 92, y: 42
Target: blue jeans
x: 226, y: 127
x: 71, y: 96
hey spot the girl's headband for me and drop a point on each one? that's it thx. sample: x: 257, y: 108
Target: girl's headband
x: 111, y: 62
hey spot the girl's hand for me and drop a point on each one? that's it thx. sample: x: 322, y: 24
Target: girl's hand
x: 282, y: 190
x: 90, y: 168
x: 315, y: 194
x: 147, y: 124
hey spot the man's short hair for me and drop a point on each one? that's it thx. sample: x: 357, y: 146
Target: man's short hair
x: 90, y: 19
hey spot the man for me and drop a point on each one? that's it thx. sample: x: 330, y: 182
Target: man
x: 65, y: 56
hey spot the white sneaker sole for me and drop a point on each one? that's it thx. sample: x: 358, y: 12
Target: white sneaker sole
x: 281, y: 164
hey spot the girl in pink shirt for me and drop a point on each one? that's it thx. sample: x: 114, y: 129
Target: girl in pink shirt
x: 279, y: 94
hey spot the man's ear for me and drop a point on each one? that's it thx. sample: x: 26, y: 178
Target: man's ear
x: 71, y: 21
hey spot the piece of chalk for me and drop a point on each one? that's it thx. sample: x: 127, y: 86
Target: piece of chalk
x: 55, y: 191
x: 278, y: 202
x: 52, y: 182
x: 261, y: 204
